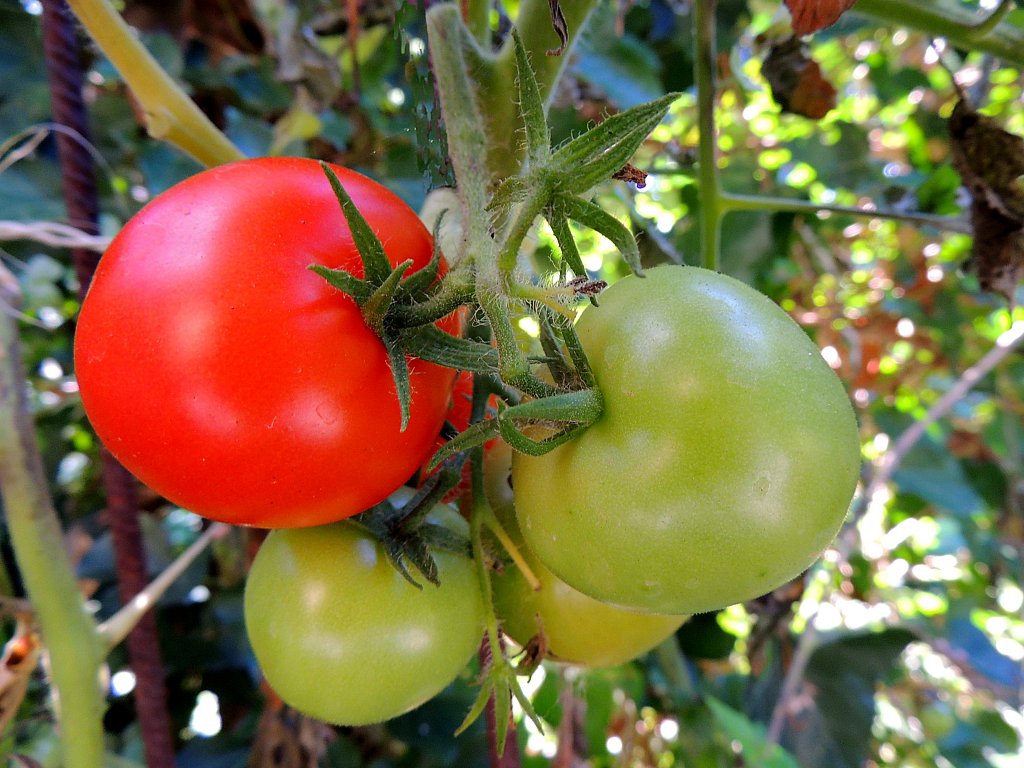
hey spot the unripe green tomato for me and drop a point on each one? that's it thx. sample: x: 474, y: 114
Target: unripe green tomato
x: 577, y: 628
x: 724, y: 461
x: 341, y: 636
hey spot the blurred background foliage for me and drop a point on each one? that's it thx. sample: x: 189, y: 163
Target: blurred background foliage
x: 910, y: 630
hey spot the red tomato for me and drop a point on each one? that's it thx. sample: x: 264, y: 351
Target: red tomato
x: 232, y: 379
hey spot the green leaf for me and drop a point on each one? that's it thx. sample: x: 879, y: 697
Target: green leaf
x: 376, y: 266
x: 531, y: 105
x: 751, y: 735
x: 843, y: 674
x: 605, y: 149
x: 593, y: 216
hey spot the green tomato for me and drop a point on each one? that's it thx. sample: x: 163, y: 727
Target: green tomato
x: 341, y: 636
x: 724, y: 461
x: 577, y: 629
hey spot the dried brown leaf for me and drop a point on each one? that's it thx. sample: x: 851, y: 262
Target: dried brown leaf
x: 20, y: 656
x: 797, y: 83
x: 811, y: 15
x: 561, y: 27
x: 990, y: 160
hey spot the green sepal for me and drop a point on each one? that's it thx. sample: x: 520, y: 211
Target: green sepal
x: 566, y: 242
x: 475, y: 434
x: 376, y: 307
x: 591, y: 215
x: 531, y: 107
x: 376, y: 266
x: 345, y: 282
x: 595, y: 155
x: 556, y: 362
x: 510, y: 191
x: 577, y: 354
x: 400, y: 373
x: 487, y: 687
x: 417, y: 285
x: 434, y: 345
x: 523, y: 444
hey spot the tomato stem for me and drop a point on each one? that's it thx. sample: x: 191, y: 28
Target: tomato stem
x: 170, y: 114
x: 495, y: 527
x: 75, y: 649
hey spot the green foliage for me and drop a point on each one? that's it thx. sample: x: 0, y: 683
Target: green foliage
x: 924, y: 594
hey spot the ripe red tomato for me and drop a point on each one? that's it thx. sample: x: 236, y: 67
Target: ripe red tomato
x: 724, y: 461
x: 230, y: 378
x: 340, y: 635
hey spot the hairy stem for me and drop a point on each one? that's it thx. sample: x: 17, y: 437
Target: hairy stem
x: 957, y: 23
x: 76, y: 652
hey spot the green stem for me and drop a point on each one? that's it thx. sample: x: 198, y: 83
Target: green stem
x: 732, y: 202
x: 528, y: 213
x: 467, y: 141
x: 170, y: 113
x: 115, y: 629
x: 69, y: 633
x: 496, y: 528
x: 481, y: 510
x: 994, y: 19
x: 958, y: 24
x: 478, y: 20
x: 673, y: 666
x: 708, y: 178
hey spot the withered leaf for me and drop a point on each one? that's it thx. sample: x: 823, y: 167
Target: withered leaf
x: 18, y: 661
x: 796, y: 80
x: 990, y: 160
x: 811, y: 15
x: 561, y: 27
x: 632, y: 174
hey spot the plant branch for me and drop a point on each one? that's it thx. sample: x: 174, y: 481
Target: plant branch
x: 1004, y: 346
x: 76, y: 652
x: 170, y: 114
x: 994, y: 19
x: 707, y: 151
x: 733, y: 202
x: 957, y: 24
x: 115, y: 629
x: 53, y: 234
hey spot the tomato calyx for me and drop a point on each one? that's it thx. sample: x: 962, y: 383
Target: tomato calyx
x: 407, y: 536
x: 394, y: 306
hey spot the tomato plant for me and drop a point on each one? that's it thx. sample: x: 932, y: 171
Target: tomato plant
x: 233, y: 380
x: 340, y: 635
x: 724, y: 461
x: 577, y: 629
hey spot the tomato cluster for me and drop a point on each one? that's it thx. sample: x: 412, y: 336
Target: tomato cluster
x: 721, y: 464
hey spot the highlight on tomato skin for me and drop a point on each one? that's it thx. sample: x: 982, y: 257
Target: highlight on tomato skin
x: 341, y: 635
x: 724, y: 462
x: 233, y: 380
x: 577, y: 629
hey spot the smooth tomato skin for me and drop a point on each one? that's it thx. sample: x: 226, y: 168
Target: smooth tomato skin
x: 342, y: 637
x: 578, y: 629
x: 724, y: 461
x: 233, y: 380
